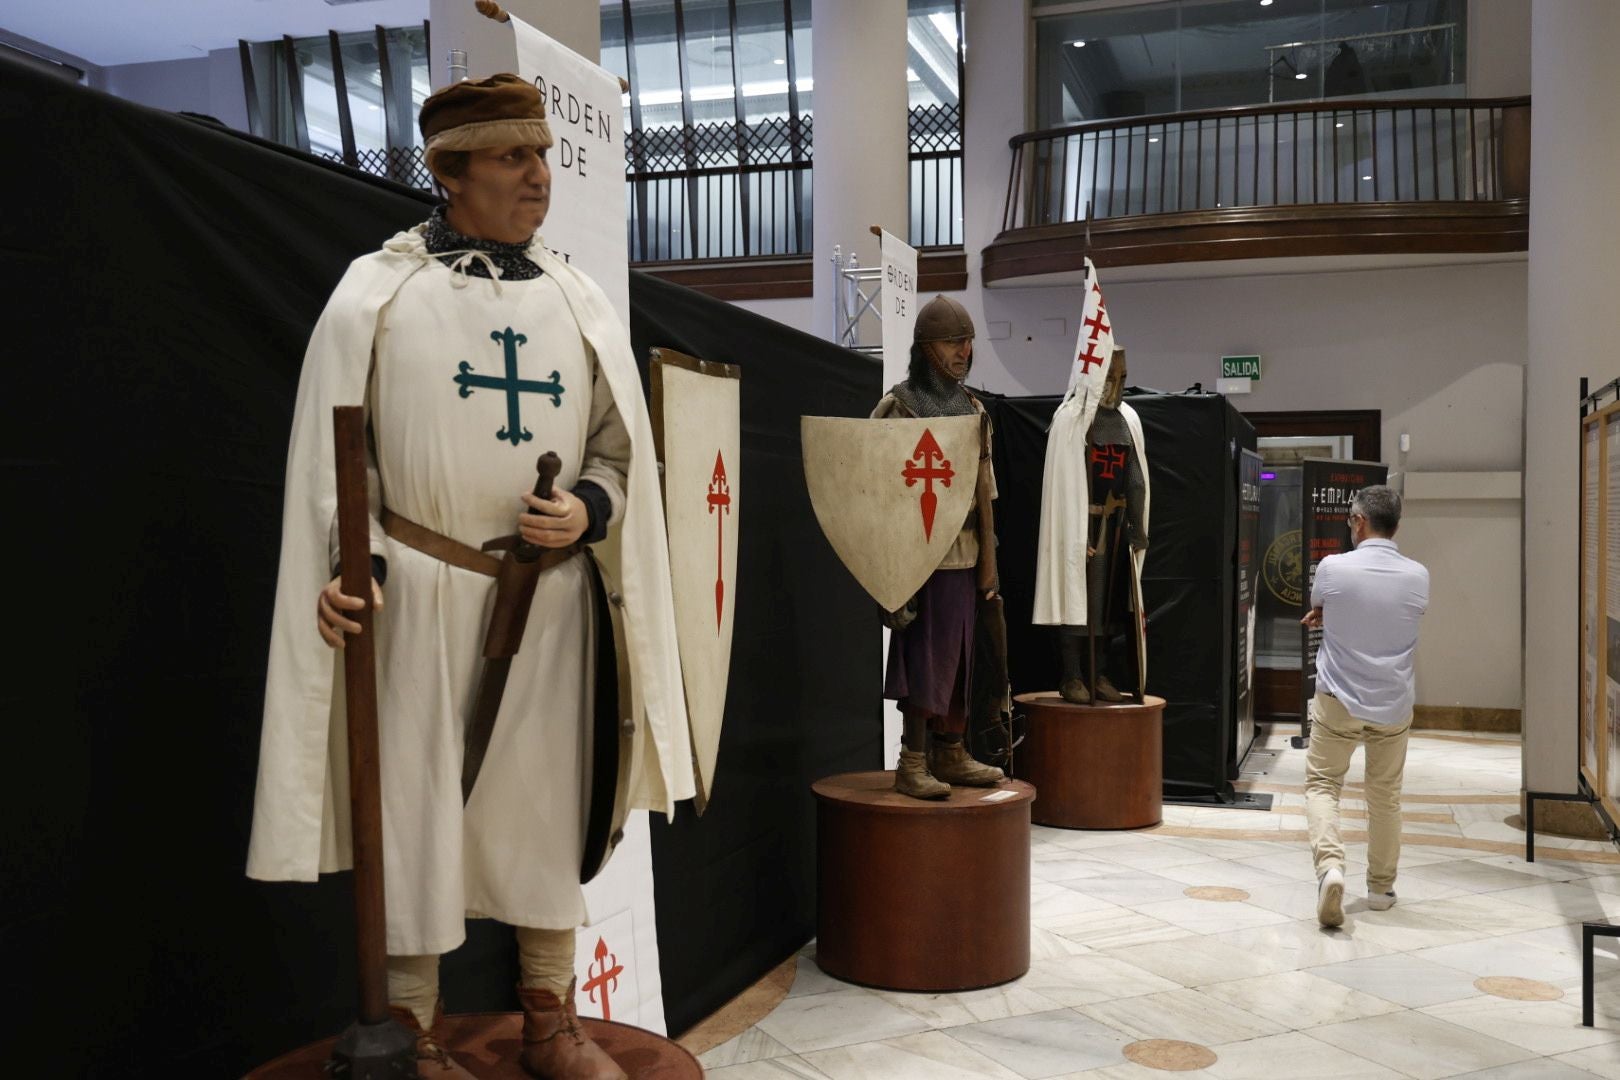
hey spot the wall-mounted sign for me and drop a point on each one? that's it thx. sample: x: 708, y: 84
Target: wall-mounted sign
x: 1240, y: 367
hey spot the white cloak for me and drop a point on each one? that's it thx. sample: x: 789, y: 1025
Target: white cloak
x: 301, y: 816
x: 1060, y: 560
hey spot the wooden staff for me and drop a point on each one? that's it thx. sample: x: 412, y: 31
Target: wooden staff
x: 374, y: 1039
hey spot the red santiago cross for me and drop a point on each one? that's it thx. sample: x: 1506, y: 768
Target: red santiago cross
x: 719, y: 498
x: 1090, y: 358
x: 926, y: 450
x: 1110, y: 458
x: 607, y: 967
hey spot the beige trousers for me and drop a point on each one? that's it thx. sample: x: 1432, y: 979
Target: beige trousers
x: 1334, y: 737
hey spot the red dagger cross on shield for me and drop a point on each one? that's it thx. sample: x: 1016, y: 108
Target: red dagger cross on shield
x: 921, y: 467
x: 606, y: 969
x: 719, y: 498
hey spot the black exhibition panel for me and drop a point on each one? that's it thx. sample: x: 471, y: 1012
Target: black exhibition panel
x: 163, y: 275
x: 1189, y: 578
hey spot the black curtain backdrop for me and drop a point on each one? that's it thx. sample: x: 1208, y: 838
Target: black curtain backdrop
x: 1189, y: 579
x: 163, y: 276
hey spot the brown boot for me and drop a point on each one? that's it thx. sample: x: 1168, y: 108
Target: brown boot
x: 1106, y: 691
x: 555, y: 1047
x: 950, y: 762
x: 433, y: 1061
x: 911, y: 778
x: 1074, y: 692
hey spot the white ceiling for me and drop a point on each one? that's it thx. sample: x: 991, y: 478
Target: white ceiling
x: 107, y: 32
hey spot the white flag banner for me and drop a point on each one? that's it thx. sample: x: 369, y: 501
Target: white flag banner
x: 899, y: 300
x: 585, y: 108
x: 1094, y: 350
x: 616, y: 960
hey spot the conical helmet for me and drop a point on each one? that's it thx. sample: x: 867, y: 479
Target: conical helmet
x: 942, y: 319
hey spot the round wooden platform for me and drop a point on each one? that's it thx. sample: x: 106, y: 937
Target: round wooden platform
x: 487, y: 1045
x: 1094, y: 766
x: 917, y: 894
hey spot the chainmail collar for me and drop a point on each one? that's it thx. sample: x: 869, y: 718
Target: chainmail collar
x: 933, y: 394
x: 444, y: 241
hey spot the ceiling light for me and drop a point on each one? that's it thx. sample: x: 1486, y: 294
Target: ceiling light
x: 1153, y: 138
x: 1301, y: 75
x: 1366, y: 178
x: 1265, y: 3
x: 1078, y: 44
x: 778, y: 60
x: 1339, y: 124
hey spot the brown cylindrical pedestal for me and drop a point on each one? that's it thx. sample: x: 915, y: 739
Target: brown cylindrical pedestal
x: 917, y: 894
x: 1094, y: 766
x: 487, y: 1045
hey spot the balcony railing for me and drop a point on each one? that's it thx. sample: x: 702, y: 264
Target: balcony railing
x: 1308, y: 154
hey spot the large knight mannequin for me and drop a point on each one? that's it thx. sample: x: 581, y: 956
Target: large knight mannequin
x: 451, y: 467
x: 1094, y: 538
x: 930, y: 653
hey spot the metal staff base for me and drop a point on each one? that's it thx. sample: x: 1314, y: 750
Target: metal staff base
x: 487, y: 1045
x: 916, y: 894
x: 1094, y: 766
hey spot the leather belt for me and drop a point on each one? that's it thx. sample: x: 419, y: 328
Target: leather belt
x: 447, y: 550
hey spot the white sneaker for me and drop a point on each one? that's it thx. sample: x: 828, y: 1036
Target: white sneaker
x: 1381, y: 901
x: 1330, y: 898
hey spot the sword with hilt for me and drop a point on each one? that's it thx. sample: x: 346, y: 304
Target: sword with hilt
x: 514, y: 593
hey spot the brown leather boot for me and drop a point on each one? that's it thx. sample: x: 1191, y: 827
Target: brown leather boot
x: 950, y: 762
x: 1106, y: 691
x: 1074, y: 692
x: 555, y: 1047
x: 911, y: 777
x: 433, y: 1061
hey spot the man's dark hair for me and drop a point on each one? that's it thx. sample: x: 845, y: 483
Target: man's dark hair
x: 1381, y: 506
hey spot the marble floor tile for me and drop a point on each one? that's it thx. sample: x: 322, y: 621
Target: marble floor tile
x: 929, y: 1056
x: 1405, y: 927
x: 1130, y: 888
x: 1188, y: 1015
x: 1572, y: 901
x: 1468, y: 875
x: 1300, y: 999
x: 973, y: 1006
x: 1204, y: 917
x: 1419, y: 1046
x: 1060, y: 864
x: 1114, y: 928
x: 1231, y: 850
x: 1293, y: 1055
x: 1598, y: 1060
x: 1609, y: 883
x: 1295, y: 899
x: 751, y: 1045
x: 1130, y: 1070
x: 1046, y: 1044
x: 781, y: 1068
x: 1149, y: 856
x: 1221, y: 872
x: 1094, y: 839
x: 810, y: 979
x: 1200, y: 961
x: 1534, y: 1069
x: 1082, y: 980
x: 1304, y: 944
x: 1045, y: 945
x: 1543, y: 1027
x: 1292, y: 863
x: 1403, y: 979
x: 837, y: 1018
x: 1487, y: 913
x: 1501, y: 957
x: 1050, y: 900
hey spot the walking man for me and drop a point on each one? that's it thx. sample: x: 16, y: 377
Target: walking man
x: 1367, y: 603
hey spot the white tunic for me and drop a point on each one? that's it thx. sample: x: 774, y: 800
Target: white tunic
x: 440, y: 461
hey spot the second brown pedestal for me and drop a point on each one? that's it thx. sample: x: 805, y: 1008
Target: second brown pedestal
x: 921, y: 895
x: 1094, y: 766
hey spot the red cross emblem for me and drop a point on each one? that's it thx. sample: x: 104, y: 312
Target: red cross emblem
x: 921, y: 467
x: 719, y: 499
x: 1098, y: 326
x: 1090, y: 358
x: 606, y: 969
x: 1109, y: 458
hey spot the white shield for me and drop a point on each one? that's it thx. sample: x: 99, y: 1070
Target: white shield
x: 697, y: 423
x: 891, y: 495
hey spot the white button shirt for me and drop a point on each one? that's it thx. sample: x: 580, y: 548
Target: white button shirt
x: 1371, y: 599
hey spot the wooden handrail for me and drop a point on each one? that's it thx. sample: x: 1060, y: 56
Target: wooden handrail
x: 1339, y: 105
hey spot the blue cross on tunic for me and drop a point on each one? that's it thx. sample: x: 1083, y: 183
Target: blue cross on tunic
x: 514, y: 432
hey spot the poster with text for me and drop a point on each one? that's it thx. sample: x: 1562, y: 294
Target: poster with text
x: 899, y: 298
x: 1248, y: 583
x: 1610, y: 715
x: 1325, y: 530
x: 584, y: 106
x: 1591, y: 462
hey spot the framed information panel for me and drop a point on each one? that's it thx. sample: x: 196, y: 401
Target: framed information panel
x: 1592, y: 579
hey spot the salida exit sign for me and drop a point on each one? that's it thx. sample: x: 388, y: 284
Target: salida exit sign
x: 1240, y: 367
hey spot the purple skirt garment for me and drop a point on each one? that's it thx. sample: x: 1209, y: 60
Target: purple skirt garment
x: 928, y: 658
